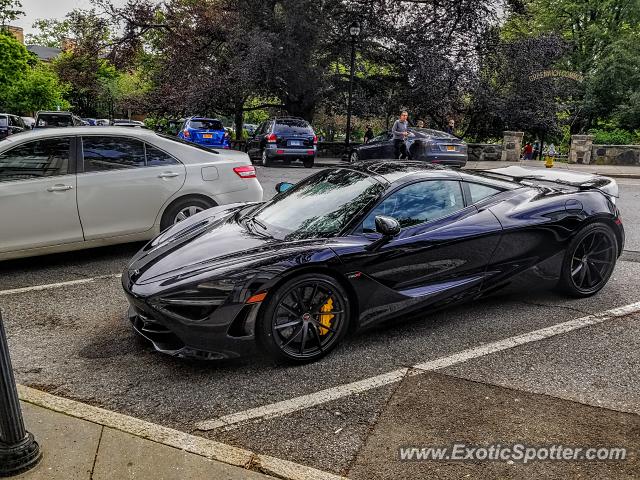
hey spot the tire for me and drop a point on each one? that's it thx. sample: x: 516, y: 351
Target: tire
x: 589, y: 261
x: 353, y: 156
x: 308, y: 162
x: 308, y: 334
x: 192, y: 205
x: 265, y: 159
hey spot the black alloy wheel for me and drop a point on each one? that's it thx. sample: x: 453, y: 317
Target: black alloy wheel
x: 305, y: 319
x: 590, y: 260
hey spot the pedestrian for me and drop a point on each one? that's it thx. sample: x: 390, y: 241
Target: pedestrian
x: 420, y: 124
x: 368, y: 135
x: 451, y: 127
x: 528, y: 151
x: 400, y: 133
x: 536, y: 149
x: 552, y: 150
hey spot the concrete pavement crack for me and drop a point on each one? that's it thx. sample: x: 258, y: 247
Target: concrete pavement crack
x: 573, y: 309
x: 373, y: 424
x: 95, y: 459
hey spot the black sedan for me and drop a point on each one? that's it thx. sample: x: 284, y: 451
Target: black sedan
x: 351, y: 247
x: 423, y: 144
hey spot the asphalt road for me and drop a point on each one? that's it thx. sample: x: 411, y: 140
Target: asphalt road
x: 73, y: 341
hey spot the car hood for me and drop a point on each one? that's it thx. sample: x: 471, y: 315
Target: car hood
x: 212, y: 242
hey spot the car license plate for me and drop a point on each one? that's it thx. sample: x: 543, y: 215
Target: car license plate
x: 295, y: 143
x: 207, y: 135
x: 451, y: 148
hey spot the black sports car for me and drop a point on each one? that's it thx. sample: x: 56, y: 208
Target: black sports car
x: 351, y: 247
x: 422, y: 144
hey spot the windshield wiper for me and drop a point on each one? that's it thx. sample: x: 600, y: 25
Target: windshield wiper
x: 259, y: 223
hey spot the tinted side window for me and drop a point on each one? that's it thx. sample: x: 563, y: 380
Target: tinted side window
x: 419, y: 203
x: 42, y: 158
x: 110, y: 153
x: 479, y: 192
x: 158, y: 158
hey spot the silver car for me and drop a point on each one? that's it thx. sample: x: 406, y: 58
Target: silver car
x: 72, y: 188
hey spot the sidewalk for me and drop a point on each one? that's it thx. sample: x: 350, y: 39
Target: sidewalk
x: 76, y: 449
x: 616, y: 171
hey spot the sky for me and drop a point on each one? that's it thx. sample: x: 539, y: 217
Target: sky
x: 35, y: 9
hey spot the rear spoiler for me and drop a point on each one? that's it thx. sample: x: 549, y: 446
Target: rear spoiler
x: 579, y: 180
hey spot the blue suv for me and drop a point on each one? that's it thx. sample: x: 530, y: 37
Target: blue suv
x: 207, y: 132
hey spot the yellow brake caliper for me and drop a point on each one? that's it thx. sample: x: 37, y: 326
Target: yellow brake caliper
x: 325, y: 320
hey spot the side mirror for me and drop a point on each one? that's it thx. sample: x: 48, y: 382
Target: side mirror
x: 387, y: 226
x: 283, y: 187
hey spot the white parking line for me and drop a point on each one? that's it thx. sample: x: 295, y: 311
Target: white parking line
x: 174, y: 438
x: 48, y: 286
x: 278, y: 409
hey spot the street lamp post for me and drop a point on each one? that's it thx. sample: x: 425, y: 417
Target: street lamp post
x: 18, y: 449
x: 354, y: 31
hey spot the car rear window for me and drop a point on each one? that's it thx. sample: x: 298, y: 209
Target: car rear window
x: 54, y: 120
x: 284, y: 126
x: 206, y: 124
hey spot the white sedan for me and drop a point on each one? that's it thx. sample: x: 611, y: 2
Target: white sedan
x: 79, y: 187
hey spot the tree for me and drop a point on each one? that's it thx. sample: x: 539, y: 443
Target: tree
x: 14, y: 62
x: 9, y: 11
x: 51, y: 32
x: 39, y: 89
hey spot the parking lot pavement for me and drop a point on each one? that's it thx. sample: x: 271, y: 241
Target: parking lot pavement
x: 72, y: 340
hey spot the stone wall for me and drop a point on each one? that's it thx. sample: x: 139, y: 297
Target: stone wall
x: 580, y: 151
x: 512, y: 146
x: 479, y: 152
x: 615, y: 154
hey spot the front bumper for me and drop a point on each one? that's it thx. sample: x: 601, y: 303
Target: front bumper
x: 229, y: 332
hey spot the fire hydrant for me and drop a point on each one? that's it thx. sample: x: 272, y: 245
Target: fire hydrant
x: 548, y: 161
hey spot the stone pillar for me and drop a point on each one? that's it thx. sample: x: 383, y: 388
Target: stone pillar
x: 580, y: 151
x: 512, y: 146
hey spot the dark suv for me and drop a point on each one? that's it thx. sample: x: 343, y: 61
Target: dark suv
x: 285, y: 139
x: 57, y: 119
x: 10, y: 124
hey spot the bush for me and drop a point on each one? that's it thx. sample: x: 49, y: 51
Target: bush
x: 616, y: 136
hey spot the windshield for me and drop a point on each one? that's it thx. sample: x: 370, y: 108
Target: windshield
x: 204, y: 124
x: 54, y: 120
x: 320, y: 206
x: 292, y: 126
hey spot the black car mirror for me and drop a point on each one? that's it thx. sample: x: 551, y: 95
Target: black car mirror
x: 387, y: 226
x: 283, y: 187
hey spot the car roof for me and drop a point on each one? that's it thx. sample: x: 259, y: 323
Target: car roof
x: 79, y: 130
x: 391, y: 171
x: 204, y: 118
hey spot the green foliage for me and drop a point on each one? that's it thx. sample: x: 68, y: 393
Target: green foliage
x: 39, y: 89
x: 9, y: 11
x: 14, y: 63
x: 51, y: 34
x: 615, y: 136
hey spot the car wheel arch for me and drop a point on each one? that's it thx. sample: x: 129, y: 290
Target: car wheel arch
x: 609, y: 222
x: 324, y: 270
x: 180, y: 198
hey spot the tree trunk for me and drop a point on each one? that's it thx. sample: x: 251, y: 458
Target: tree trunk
x: 238, y: 120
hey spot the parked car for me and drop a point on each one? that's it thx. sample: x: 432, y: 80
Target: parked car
x: 357, y: 246
x: 29, y: 122
x: 90, y: 121
x: 250, y: 128
x: 11, y: 124
x: 57, y: 119
x: 284, y: 139
x: 125, y: 122
x: 422, y: 144
x: 101, y: 122
x: 66, y: 189
x: 208, y: 132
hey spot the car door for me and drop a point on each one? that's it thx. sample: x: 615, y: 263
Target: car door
x: 369, y: 150
x: 38, y: 195
x: 123, y: 185
x: 443, y: 248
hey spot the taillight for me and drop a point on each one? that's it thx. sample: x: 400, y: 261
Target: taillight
x: 186, y: 134
x: 272, y: 138
x: 247, y: 171
x: 315, y: 139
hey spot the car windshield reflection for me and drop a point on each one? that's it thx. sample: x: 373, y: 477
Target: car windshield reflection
x: 320, y: 206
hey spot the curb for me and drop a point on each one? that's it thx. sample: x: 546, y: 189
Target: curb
x: 611, y: 175
x: 204, y: 447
